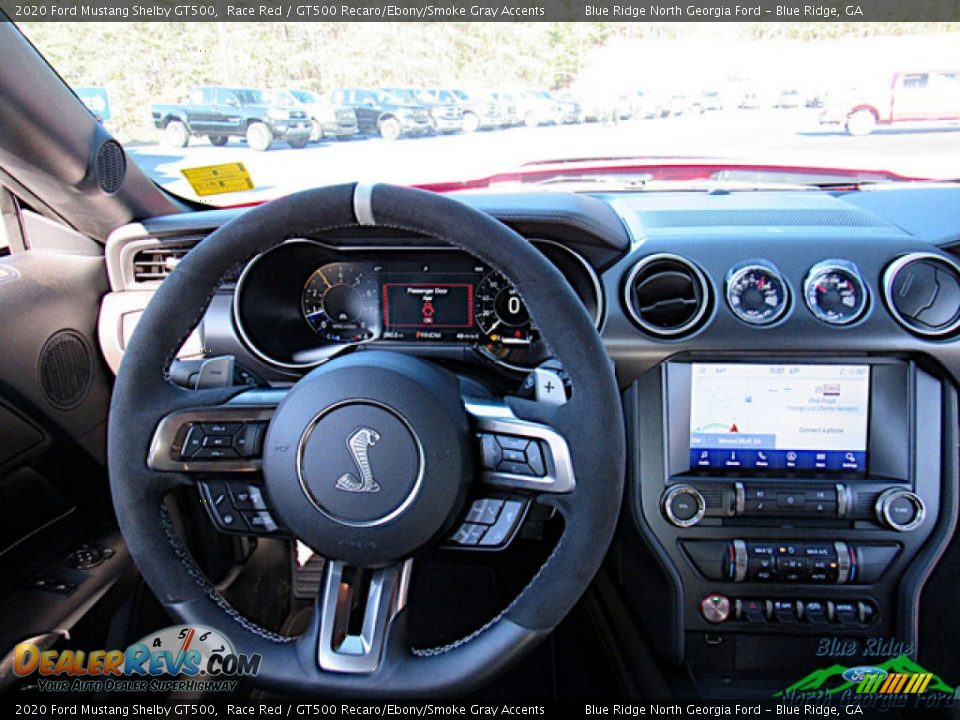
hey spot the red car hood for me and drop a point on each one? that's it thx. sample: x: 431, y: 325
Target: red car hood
x: 662, y: 169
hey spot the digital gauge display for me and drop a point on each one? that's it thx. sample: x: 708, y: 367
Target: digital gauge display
x: 448, y: 298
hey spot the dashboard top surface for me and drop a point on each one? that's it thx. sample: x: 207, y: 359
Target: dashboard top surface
x: 713, y: 232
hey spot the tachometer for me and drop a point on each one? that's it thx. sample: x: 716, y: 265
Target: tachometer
x: 835, y: 292
x: 340, y: 302
x: 756, y: 293
x: 500, y: 312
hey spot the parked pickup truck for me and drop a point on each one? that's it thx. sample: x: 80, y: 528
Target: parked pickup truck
x: 383, y: 113
x: 326, y: 119
x: 926, y: 96
x: 221, y: 113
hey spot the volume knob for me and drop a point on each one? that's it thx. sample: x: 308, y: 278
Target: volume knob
x: 900, y: 510
x: 684, y: 505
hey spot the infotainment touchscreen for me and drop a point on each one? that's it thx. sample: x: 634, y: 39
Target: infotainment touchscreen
x: 755, y: 418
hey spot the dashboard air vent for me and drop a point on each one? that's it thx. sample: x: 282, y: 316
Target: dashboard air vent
x: 666, y: 295
x: 922, y: 291
x: 153, y: 264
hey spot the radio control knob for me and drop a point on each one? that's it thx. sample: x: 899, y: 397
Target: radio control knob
x: 900, y: 510
x: 684, y: 505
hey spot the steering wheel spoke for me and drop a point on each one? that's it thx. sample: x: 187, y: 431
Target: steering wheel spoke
x: 520, y: 459
x: 517, y: 454
x: 218, y: 438
x: 357, y: 608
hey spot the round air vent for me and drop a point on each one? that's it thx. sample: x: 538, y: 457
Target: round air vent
x: 666, y: 295
x: 66, y: 369
x: 922, y: 291
x: 111, y: 166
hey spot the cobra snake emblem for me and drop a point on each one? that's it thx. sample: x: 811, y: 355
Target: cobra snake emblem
x: 359, y: 443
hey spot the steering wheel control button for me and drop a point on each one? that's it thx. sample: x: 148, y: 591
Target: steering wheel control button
x: 261, y: 521
x: 360, y: 464
x: 490, y: 523
x: 193, y: 443
x: 237, y: 507
x: 484, y: 511
x: 507, y: 523
x: 715, y: 608
x: 900, y: 510
x: 512, y: 455
x: 222, y: 440
x: 684, y: 505
x: 469, y: 534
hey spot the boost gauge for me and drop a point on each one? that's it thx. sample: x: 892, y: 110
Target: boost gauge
x: 834, y: 292
x: 340, y: 303
x: 756, y: 293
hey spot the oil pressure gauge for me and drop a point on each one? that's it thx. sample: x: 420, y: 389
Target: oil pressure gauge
x: 756, y: 292
x: 834, y: 292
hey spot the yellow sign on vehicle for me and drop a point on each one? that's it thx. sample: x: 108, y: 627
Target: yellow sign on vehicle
x: 218, y: 179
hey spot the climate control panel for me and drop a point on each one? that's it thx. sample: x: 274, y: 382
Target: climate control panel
x: 788, y: 561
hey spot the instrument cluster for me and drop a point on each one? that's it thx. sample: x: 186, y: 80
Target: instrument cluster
x: 300, y: 303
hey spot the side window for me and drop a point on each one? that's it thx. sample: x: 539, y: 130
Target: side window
x: 339, y: 97
x: 196, y: 97
x: 225, y: 97
x: 946, y: 82
x: 915, y: 81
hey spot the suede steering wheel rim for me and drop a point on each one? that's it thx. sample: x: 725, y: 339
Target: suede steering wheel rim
x: 591, y: 422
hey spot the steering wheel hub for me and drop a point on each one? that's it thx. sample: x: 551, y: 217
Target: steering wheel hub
x: 367, y: 459
x: 360, y: 463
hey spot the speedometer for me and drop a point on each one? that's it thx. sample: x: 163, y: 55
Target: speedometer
x: 340, y: 303
x: 501, y: 313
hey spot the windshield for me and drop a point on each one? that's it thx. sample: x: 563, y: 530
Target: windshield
x: 534, y: 105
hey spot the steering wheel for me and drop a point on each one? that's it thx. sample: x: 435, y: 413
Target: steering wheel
x: 370, y: 458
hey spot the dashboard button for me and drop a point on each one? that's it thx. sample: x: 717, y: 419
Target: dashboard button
x: 785, y: 611
x: 754, y: 611
x: 815, y: 612
x: 791, y: 500
x: 715, y: 608
x: 759, y: 550
x: 845, y: 613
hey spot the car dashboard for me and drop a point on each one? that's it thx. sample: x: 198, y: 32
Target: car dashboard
x: 787, y: 360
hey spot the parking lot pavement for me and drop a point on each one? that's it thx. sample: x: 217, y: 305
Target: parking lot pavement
x: 791, y: 137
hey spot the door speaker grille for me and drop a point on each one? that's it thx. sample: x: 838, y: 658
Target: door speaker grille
x: 66, y: 369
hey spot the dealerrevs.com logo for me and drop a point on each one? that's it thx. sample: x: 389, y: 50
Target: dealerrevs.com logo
x: 181, y: 657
